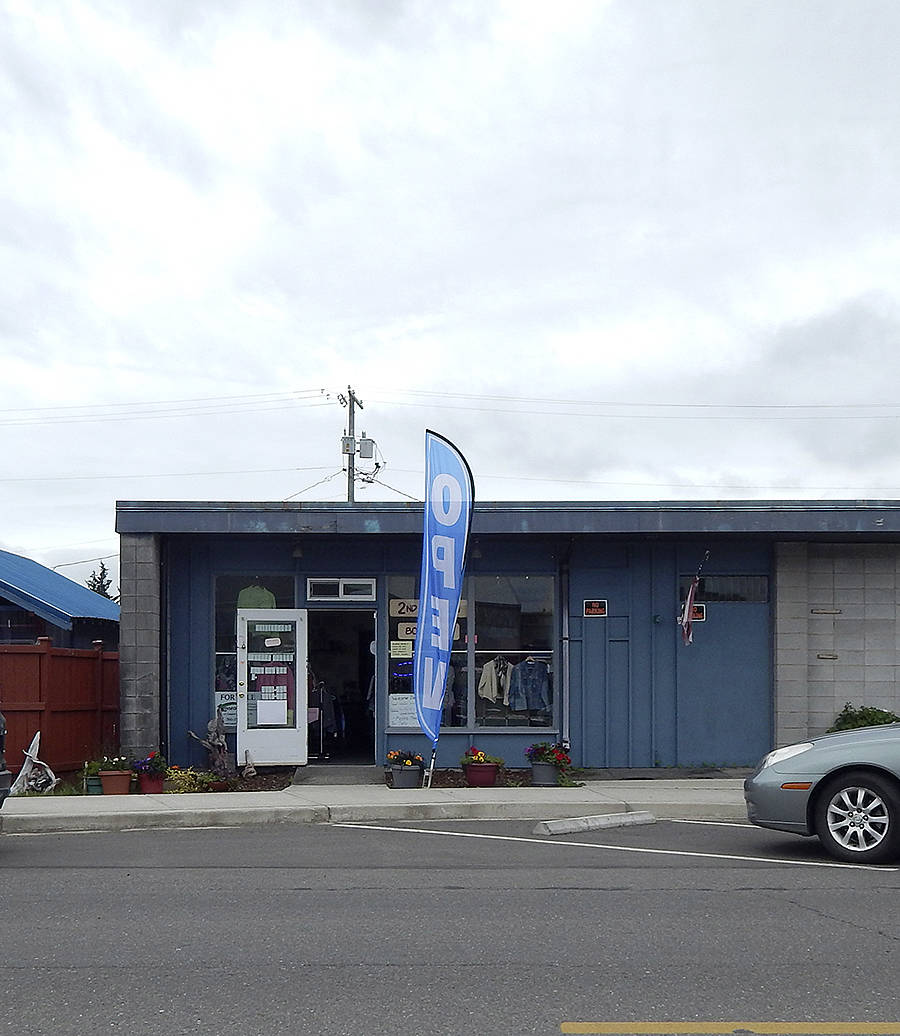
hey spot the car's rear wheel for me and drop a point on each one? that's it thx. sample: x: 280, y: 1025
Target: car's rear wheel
x: 857, y: 818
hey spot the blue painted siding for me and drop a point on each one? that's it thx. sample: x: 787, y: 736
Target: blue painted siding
x: 640, y: 697
x: 637, y: 697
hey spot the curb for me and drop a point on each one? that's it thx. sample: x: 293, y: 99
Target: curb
x: 566, y: 827
x: 33, y: 824
x: 37, y: 823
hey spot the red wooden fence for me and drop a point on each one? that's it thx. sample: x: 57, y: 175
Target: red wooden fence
x: 71, y: 696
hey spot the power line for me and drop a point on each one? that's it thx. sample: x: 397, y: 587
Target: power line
x: 321, y: 481
x: 103, y: 413
x: 162, y: 474
x: 393, y: 489
x: 247, y: 397
x: 646, y: 403
x: 742, y: 412
x: 85, y: 561
x: 656, y: 485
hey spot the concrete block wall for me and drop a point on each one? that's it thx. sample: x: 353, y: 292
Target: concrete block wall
x: 139, y: 644
x: 837, y: 633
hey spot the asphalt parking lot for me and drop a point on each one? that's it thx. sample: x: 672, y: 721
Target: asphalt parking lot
x: 676, y: 926
x: 712, y: 843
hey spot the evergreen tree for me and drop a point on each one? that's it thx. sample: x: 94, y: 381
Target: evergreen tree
x: 99, y: 582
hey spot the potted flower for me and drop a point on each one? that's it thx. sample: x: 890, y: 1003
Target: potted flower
x: 115, y: 775
x: 151, y: 772
x: 91, y: 777
x: 406, y: 768
x: 549, y: 763
x: 480, y: 768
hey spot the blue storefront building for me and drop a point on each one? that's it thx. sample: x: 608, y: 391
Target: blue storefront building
x: 298, y: 621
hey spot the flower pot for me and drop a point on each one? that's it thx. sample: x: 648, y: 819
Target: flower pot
x: 481, y: 775
x: 93, y: 786
x: 406, y: 776
x: 116, y: 782
x: 151, y: 783
x: 544, y: 775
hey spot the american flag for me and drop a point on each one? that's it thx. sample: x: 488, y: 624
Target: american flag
x: 687, y: 634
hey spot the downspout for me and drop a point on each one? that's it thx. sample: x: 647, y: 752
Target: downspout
x: 164, y: 647
x: 565, y: 725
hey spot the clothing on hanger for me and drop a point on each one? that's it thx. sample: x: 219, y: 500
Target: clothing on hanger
x: 529, y: 686
x: 494, y: 682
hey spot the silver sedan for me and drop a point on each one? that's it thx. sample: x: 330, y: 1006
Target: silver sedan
x: 843, y: 787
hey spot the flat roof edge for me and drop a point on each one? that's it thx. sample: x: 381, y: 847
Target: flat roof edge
x: 705, y: 517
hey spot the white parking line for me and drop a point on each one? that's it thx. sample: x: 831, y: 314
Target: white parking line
x: 711, y: 823
x: 621, y: 848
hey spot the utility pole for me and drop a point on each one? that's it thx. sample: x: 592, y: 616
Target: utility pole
x: 348, y: 445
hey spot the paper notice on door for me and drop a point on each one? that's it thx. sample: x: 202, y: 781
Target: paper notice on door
x: 271, y: 713
x: 273, y: 642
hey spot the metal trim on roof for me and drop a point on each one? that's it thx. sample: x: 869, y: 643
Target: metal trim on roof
x: 760, y: 517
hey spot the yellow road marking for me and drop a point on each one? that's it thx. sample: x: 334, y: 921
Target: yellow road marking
x: 729, y: 1028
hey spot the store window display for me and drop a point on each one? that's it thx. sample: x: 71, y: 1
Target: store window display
x: 501, y: 670
x: 514, y: 650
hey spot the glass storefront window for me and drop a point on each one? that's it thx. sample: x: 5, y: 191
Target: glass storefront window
x: 403, y: 609
x: 510, y: 643
x: 514, y: 651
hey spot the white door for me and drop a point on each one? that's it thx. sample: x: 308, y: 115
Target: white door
x: 272, y: 684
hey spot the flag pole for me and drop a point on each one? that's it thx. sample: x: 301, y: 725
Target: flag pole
x: 447, y: 523
x: 429, y: 773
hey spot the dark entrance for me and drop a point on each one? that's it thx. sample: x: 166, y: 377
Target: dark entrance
x: 341, y: 687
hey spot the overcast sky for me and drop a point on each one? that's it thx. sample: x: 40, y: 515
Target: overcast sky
x: 634, y: 249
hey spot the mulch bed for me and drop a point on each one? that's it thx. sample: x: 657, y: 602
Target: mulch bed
x: 278, y: 779
x: 265, y: 780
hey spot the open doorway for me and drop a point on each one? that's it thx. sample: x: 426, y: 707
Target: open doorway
x: 341, y: 686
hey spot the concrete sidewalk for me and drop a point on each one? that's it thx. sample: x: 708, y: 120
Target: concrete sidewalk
x: 716, y: 799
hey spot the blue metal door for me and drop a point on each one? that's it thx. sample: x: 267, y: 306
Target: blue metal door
x: 723, y: 688
x: 639, y: 697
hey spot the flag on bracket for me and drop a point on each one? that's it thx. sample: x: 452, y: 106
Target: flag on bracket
x: 449, y: 499
x: 687, y: 632
x: 687, y: 615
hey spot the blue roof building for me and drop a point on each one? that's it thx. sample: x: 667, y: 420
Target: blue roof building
x: 298, y: 620
x: 37, y: 602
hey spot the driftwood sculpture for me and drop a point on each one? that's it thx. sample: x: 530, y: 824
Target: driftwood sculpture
x: 216, y: 745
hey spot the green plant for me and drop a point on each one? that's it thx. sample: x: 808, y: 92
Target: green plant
x: 403, y: 757
x: 475, y: 755
x: 189, y: 780
x: 63, y: 788
x: 865, y: 716
x: 154, y: 764
x: 556, y: 754
x: 114, y: 762
x: 91, y: 768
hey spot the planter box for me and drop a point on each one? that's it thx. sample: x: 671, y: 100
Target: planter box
x: 406, y: 776
x: 481, y: 775
x: 544, y: 775
x: 116, y: 782
x: 151, y: 783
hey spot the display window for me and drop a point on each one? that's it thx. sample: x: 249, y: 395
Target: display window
x: 514, y: 629
x: 403, y: 610
x: 501, y: 663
